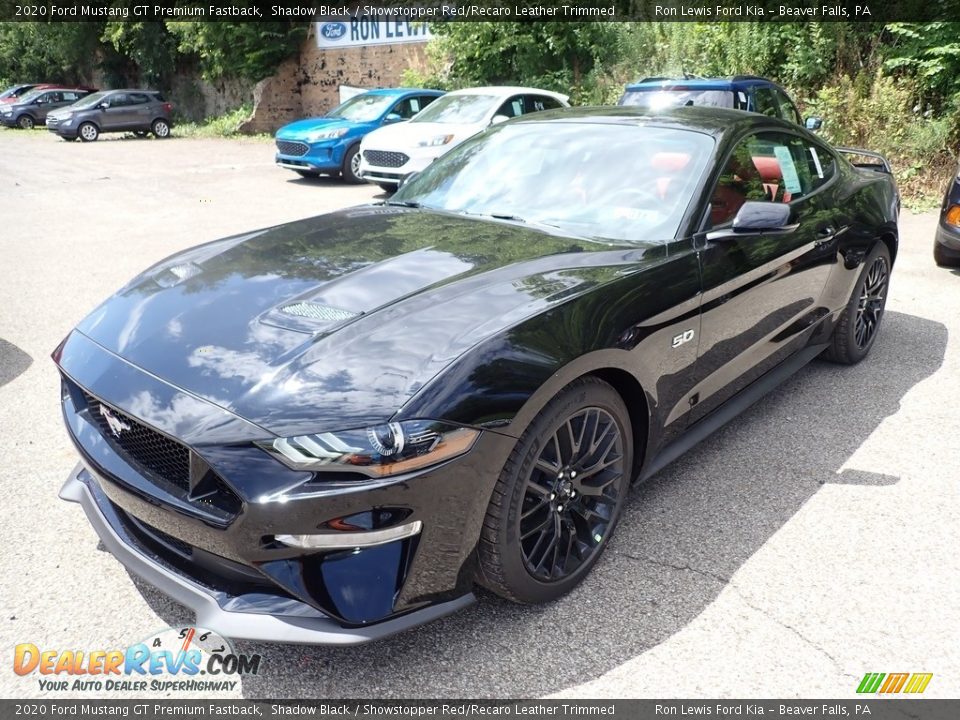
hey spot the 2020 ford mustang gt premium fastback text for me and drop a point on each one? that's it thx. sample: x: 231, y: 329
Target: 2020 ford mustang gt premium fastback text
x: 330, y: 430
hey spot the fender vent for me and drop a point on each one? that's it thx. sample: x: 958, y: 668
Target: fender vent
x: 315, y: 311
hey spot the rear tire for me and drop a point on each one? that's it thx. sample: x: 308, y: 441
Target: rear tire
x: 350, y: 172
x: 859, y: 324
x: 160, y: 129
x: 559, y: 495
x: 26, y: 122
x: 88, y: 132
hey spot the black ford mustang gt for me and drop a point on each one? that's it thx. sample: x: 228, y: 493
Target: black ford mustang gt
x: 331, y: 430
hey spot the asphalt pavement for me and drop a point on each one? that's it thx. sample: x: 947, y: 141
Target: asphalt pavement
x: 809, y: 542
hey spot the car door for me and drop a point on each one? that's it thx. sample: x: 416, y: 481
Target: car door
x: 762, y: 292
x: 113, y: 113
x: 138, y: 115
x: 44, y: 104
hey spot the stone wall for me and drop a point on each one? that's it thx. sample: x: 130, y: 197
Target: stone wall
x: 309, y: 84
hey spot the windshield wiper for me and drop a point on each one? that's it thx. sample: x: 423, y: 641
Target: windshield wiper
x: 403, y: 203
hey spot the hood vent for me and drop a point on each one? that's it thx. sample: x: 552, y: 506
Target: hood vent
x: 316, y: 311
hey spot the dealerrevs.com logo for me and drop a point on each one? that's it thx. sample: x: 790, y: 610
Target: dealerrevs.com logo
x: 174, y: 659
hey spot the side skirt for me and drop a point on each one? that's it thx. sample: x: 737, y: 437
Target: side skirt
x: 730, y: 410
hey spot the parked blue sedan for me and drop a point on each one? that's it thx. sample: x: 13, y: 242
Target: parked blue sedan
x: 330, y: 145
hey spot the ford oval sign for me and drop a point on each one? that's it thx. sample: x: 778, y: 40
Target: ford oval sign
x: 333, y: 30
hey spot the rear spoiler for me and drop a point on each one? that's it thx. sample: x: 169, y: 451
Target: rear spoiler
x: 881, y: 164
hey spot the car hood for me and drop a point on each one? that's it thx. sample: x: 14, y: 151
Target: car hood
x: 304, y: 129
x: 336, y: 321
x: 403, y: 136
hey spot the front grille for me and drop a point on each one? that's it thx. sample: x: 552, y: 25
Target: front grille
x: 157, y: 453
x: 383, y: 158
x: 287, y: 147
x: 161, y: 460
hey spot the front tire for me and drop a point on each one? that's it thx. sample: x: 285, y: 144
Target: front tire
x: 859, y: 323
x: 160, y: 129
x: 350, y: 172
x: 559, y: 495
x: 88, y: 132
x: 26, y: 122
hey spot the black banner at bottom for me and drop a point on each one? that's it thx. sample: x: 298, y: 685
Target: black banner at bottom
x: 869, y: 707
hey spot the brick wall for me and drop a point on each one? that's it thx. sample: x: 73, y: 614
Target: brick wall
x: 309, y: 84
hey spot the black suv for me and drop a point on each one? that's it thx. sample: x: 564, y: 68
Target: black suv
x: 137, y: 111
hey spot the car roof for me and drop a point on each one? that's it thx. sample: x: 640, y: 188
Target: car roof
x: 706, y: 119
x: 698, y: 83
x: 402, y: 91
x: 506, y: 90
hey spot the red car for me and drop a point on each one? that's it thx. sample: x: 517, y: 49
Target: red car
x: 12, y: 94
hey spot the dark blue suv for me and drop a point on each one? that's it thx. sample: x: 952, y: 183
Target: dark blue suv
x: 743, y: 92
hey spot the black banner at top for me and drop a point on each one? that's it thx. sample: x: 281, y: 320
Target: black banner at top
x: 484, y: 10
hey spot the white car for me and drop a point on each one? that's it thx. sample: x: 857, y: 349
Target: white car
x: 389, y: 154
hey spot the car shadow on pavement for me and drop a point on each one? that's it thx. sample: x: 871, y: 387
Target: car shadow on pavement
x: 13, y: 362
x: 682, y: 536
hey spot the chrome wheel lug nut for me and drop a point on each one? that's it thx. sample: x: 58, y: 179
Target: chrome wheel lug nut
x: 559, y: 508
x: 553, y: 496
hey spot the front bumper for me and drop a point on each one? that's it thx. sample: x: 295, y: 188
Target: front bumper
x: 321, y: 157
x: 949, y: 238
x: 225, y: 539
x: 252, y: 616
x: 8, y: 121
x: 417, y: 160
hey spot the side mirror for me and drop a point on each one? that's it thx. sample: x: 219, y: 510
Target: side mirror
x: 103, y: 106
x: 392, y: 118
x: 813, y: 123
x: 497, y: 119
x: 757, y: 218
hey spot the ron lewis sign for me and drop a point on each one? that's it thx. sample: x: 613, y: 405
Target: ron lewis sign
x: 360, y: 31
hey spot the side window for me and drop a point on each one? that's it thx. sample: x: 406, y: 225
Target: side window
x: 46, y: 98
x: 137, y: 99
x: 821, y: 165
x: 512, y: 107
x: 425, y: 100
x: 536, y: 103
x: 118, y: 100
x: 788, y: 111
x: 764, y: 102
x: 740, y: 100
x: 769, y: 167
x: 407, y: 108
x: 71, y: 96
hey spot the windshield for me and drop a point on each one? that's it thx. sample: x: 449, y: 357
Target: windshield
x: 660, y: 99
x: 10, y: 92
x: 602, y: 182
x: 363, y: 108
x: 30, y: 96
x: 88, y: 101
x: 459, y: 109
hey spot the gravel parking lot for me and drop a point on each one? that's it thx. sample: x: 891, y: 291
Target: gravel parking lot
x: 811, y: 541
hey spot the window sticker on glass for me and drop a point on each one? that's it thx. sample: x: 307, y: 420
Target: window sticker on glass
x: 789, y: 171
x: 816, y: 161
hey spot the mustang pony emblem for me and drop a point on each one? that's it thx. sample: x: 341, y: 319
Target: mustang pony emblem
x: 115, y: 424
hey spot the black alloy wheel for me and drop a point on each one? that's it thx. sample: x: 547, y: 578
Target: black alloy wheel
x: 859, y: 324
x: 872, y: 300
x: 571, y: 495
x: 558, y: 498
